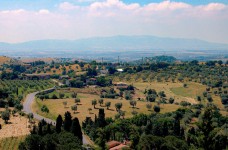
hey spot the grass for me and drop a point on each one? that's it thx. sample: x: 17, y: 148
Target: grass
x: 66, y: 94
x: 11, y: 143
x: 56, y: 107
x: 192, y: 90
x: 175, y: 90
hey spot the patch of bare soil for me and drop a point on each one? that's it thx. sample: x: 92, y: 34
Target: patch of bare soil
x: 17, y: 126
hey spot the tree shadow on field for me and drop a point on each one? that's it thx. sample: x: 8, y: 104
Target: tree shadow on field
x: 134, y: 107
x: 110, y: 109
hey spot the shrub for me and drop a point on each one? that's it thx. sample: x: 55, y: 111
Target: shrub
x: 156, y: 108
x: 44, y: 108
x: 54, y: 96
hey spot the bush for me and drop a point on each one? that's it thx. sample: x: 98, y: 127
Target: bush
x: 156, y: 108
x: 171, y: 100
x: 61, y: 95
x: 54, y: 96
x: 44, y: 108
x: 184, y: 103
x: 151, y: 98
x: 209, y: 98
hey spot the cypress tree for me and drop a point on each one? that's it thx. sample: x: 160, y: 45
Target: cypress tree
x: 40, y: 128
x: 101, y: 118
x: 177, y: 127
x: 59, y: 123
x: 17, y: 91
x: 67, y: 121
x: 34, y: 131
x: 165, y: 129
x: 76, y: 128
x: 49, y: 129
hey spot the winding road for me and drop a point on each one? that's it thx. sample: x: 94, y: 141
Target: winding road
x: 27, y: 109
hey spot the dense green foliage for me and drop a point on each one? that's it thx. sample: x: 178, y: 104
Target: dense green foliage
x: 163, y: 131
x: 47, y: 137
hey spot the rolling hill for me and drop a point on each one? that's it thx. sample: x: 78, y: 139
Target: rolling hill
x: 114, y: 43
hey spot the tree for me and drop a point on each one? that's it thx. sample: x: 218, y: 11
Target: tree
x: 65, y: 103
x: 32, y: 142
x: 122, y: 113
x: 67, y: 121
x: 161, y: 94
x: 206, y: 126
x: 151, y: 91
x: 149, y: 106
x: 6, y: 116
x: 19, y: 107
x: 101, y: 101
x: 118, y: 106
x: 30, y: 116
x: 220, y: 62
x: 184, y: 85
x: 156, y: 108
x: 151, y: 98
x: 40, y: 128
x: 108, y: 104
x: 61, y: 95
x: 101, y: 138
x: 111, y: 70
x: 49, y: 129
x: 94, y: 103
x: 74, y: 108
x: 101, y: 118
x: 133, y: 103
x: 77, y: 100
x: 44, y: 108
x: 171, y: 100
x: 74, y: 95
x: 41, y: 97
x: 177, y: 127
x: 59, y: 123
x: 209, y: 98
x: 198, y: 98
x: 54, y: 96
x: 76, y: 128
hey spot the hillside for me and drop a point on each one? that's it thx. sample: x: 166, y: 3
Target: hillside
x: 8, y: 60
x: 115, y: 43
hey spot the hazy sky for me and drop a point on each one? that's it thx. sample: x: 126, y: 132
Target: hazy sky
x: 25, y: 20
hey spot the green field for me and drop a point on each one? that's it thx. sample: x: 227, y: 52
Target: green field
x: 23, y: 87
x: 192, y: 90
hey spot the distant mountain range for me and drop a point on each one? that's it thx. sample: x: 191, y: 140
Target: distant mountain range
x: 115, y: 43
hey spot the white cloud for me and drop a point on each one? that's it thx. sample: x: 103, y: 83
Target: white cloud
x: 166, y: 5
x: 67, y: 6
x: 214, y: 7
x: 44, y: 11
x: 112, y: 17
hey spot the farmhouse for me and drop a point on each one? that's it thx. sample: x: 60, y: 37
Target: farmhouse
x: 115, y: 145
x: 104, y: 72
x: 27, y: 66
x: 64, y: 77
x: 120, y: 70
x: 36, y: 76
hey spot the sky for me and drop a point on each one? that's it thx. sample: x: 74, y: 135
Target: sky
x: 26, y: 20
